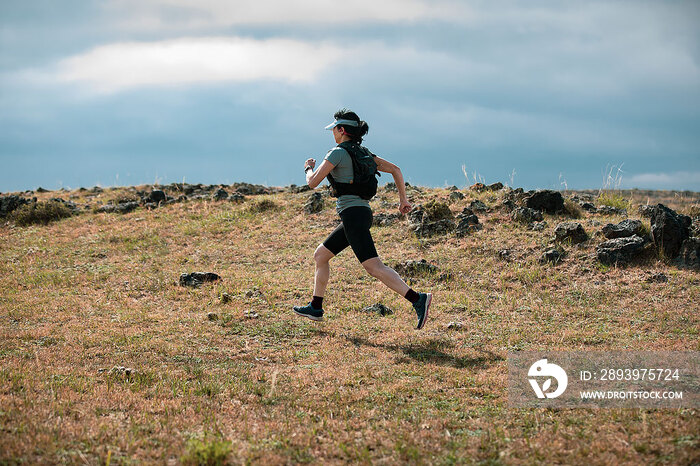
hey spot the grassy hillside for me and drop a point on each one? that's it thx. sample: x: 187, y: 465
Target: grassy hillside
x: 104, y: 358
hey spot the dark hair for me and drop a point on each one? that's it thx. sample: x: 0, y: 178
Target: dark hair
x: 355, y: 132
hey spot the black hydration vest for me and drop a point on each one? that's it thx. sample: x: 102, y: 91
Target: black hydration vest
x: 364, y: 171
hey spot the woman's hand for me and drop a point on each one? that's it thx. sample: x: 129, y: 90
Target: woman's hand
x: 309, y: 163
x: 405, y: 206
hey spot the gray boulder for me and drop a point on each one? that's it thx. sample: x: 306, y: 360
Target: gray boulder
x: 570, y: 231
x: 385, y: 220
x: 620, y: 251
x: 157, y: 196
x: 669, y: 229
x: 552, y: 256
x: 545, y: 200
x: 526, y: 215
x: 314, y: 203
x: 8, y: 204
x: 689, y: 254
x: 195, y: 279
x: 456, y: 196
x: 477, y: 206
x: 467, y: 224
x: 220, y: 195
x: 624, y: 229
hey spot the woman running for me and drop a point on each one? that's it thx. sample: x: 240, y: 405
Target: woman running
x: 356, y: 216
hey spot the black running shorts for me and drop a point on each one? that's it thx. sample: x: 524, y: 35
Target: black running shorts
x: 353, y: 231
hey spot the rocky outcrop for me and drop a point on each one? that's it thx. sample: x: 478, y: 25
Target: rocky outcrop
x: 8, y: 204
x: 624, y: 229
x: 314, y: 203
x: 545, y: 200
x: 620, y: 251
x: 526, y: 215
x: 669, y: 229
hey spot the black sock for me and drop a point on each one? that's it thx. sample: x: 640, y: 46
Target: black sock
x: 317, y: 302
x: 412, y: 295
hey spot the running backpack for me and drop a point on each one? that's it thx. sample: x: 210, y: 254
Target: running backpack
x: 364, y: 171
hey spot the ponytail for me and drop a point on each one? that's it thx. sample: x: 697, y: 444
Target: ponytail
x: 355, y: 132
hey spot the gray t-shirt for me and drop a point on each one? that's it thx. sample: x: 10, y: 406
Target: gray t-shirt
x: 342, y: 172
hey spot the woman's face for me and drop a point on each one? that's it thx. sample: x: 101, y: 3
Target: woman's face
x: 337, y: 134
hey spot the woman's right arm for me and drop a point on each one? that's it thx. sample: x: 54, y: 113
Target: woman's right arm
x: 388, y: 167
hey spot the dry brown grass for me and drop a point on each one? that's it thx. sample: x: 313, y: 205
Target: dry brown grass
x: 96, y: 291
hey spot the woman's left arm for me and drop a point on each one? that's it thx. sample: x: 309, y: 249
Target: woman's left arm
x: 388, y: 167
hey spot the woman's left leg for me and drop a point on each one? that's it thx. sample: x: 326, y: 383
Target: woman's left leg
x: 386, y: 275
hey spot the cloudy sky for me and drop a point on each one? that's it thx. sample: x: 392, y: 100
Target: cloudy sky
x: 538, y: 94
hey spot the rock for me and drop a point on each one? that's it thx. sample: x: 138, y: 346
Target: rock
x: 588, y: 207
x: 646, y: 211
x: 195, y: 279
x: 505, y: 254
x: 478, y: 187
x: 508, y: 204
x: 669, y: 229
x: 537, y: 226
x: 250, y: 314
x: 608, y: 210
x: 695, y: 227
x: 70, y: 204
x: 437, y: 211
x: 412, y: 268
x: 236, y: 197
x: 121, y: 371
x: 126, y: 207
x: 225, y: 298
x: 570, y: 231
x: 552, y: 256
x: 689, y: 254
x: 624, y: 229
x: 314, y: 203
x: 440, y: 227
x: 255, y: 292
x: 468, y: 224
x: 456, y: 196
x: 385, y: 220
x: 455, y: 325
x: 390, y: 187
x: 378, y: 308
x: 220, y: 195
x: 545, y: 200
x: 298, y: 189
x: 41, y: 190
x: 157, y: 196
x: 620, y: 251
x: 478, y: 206
x: 526, y: 215
x: 212, y: 316
x: 657, y: 278
x: 9, y: 204
x: 495, y: 186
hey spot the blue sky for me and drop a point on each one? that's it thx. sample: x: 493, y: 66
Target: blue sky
x: 538, y: 94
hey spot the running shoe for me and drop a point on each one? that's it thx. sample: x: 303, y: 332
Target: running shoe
x: 421, y: 306
x: 309, y: 311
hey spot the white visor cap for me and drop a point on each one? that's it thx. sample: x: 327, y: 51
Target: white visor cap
x: 342, y: 122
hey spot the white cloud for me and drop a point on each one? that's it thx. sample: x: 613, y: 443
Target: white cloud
x: 121, y: 66
x: 673, y: 180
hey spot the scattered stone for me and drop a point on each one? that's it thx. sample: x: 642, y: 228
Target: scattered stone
x: 478, y: 206
x: 478, y: 187
x: 378, y: 308
x: 545, y: 200
x: 609, y: 210
x: 669, y: 229
x: 695, y: 227
x: 468, y: 224
x: 250, y: 314
x: 157, y: 196
x: 456, y: 196
x: 435, y: 218
x: 552, y: 256
x: 314, y: 203
x: 537, y: 226
x: 195, y: 279
x: 391, y: 187
x: 505, y: 254
x: 657, y: 278
x: 620, y: 251
x: 646, y: 211
x: 508, y: 204
x: 570, y: 231
x: 412, y: 268
x: 121, y: 371
x: 589, y: 207
x: 294, y: 189
x: 220, y: 195
x: 437, y: 211
x: 236, y: 197
x: 526, y: 215
x: 255, y: 292
x: 455, y: 325
x: 385, y: 220
x: 440, y: 227
x: 495, y: 186
x: 41, y: 190
x: 624, y: 229
x: 225, y: 298
x: 212, y: 316
x: 11, y: 203
x: 689, y: 255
